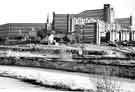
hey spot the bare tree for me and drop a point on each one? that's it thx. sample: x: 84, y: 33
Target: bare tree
x: 106, y: 83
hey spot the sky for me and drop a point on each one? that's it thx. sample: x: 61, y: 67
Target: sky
x: 35, y: 11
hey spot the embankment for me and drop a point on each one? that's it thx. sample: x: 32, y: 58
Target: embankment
x: 125, y: 71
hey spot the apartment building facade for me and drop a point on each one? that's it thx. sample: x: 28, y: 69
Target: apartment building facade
x: 119, y: 29
x: 65, y: 23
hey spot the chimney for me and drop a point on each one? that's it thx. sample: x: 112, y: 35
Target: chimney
x: 107, y: 15
x: 131, y: 20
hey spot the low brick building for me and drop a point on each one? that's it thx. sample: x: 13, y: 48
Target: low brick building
x: 12, y: 30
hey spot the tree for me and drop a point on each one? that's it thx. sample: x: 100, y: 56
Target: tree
x: 42, y: 33
x: 106, y: 84
x: 77, y: 36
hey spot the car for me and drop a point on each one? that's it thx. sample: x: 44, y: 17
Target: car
x: 124, y: 43
x: 113, y: 44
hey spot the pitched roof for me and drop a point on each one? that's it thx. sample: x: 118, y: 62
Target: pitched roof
x: 97, y: 14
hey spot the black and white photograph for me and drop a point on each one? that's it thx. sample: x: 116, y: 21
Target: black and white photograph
x: 67, y: 46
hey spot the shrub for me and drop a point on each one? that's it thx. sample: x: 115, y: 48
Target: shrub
x: 107, y: 85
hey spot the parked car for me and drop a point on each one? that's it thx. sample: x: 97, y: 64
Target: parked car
x: 113, y: 44
x: 124, y: 43
x: 131, y: 43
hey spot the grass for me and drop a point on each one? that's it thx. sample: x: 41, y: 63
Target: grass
x: 126, y: 71
x: 38, y: 77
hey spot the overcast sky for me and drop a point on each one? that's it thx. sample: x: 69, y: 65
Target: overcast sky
x: 36, y: 10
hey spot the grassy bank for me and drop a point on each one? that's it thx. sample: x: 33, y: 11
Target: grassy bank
x: 49, y: 78
x: 126, y: 71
